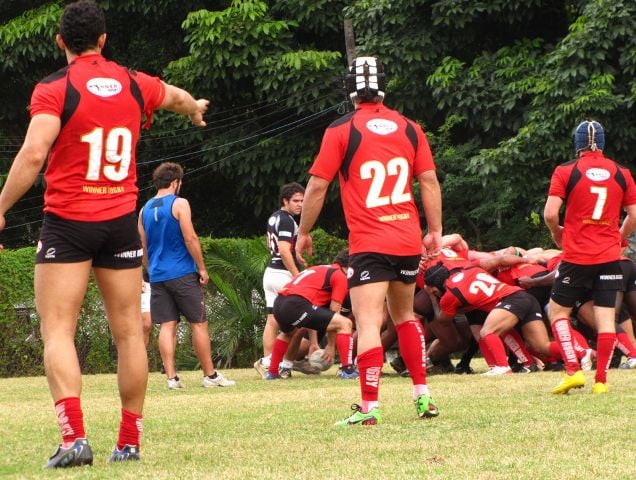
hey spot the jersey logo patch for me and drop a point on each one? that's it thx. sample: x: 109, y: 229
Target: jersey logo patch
x: 597, y: 174
x: 104, y: 87
x: 382, y: 126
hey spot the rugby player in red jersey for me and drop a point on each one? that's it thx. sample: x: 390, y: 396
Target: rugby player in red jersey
x: 594, y: 190
x: 313, y: 300
x: 469, y: 289
x: 377, y: 153
x: 85, y: 119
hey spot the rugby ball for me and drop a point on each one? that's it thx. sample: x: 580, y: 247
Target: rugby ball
x: 316, y: 360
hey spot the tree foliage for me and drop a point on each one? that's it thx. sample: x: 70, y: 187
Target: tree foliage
x: 498, y: 85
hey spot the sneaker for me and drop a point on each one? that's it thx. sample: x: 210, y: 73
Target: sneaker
x: 463, y: 369
x: 285, y: 373
x: 554, y: 367
x: 441, y: 367
x: 373, y: 417
x: 175, y: 383
x: 398, y: 365
x: 348, y: 372
x: 270, y: 376
x: 629, y: 363
x: 586, y: 360
x: 425, y: 407
x: 527, y: 368
x: 576, y: 380
x: 218, y: 381
x: 76, y: 455
x: 599, y: 388
x: 260, y: 367
x: 496, y: 371
x: 303, y: 366
x: 126, y: 454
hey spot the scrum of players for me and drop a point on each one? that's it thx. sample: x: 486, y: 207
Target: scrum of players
x: 496, y: 303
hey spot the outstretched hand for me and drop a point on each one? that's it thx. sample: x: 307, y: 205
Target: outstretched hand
x: 197, y: 117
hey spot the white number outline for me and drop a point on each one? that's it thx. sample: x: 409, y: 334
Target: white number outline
x: 302, y: 275
x: 597, y: 214
x: 484, y: 283
x: 117, y: 154
x: 376, y: 171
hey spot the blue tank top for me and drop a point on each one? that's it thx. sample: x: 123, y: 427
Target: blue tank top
x: 168, y: 257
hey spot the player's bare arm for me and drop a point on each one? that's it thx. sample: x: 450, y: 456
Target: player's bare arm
x: 285, y: 250
x: 315, y: 194
x: 551, y: 218
x: 179, y: 101
x: 42, y: 132
x: 432, y: 201
x: 182, y: 212
x: 144, y: 241
x: 629, y: 223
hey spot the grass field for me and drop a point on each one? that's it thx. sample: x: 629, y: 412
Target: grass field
x: 489, y: 428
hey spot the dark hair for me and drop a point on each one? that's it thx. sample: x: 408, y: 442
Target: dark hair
x: 166, y: 173
x: 288, y: 190
x: 342, y: 258
x: 81, y: 25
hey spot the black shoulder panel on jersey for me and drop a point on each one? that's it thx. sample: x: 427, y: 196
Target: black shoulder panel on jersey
x: 575, y: 176
x: 455, y: 291
x: 344, y: 119
x: 327, y: 285
x: 411, y: 134
x: 136, y: 91
x: 55, y: 76
x: 355, y: 138
x: 71, y: 102
x: 620, y: 179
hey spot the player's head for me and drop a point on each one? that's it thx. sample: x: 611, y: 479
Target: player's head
x: 166, y: 173
x: 288, y: 190
x: 342, y: 258
x: 436, y: 276
x: 81, y: 26
x: 366, y: 80
x: 589, y: 136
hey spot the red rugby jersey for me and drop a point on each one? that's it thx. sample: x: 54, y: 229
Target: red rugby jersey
x: 595, y: 190
x: 511, y: 274
x: 473, y: 289
x: 376, y: 152
x: 91, y: 172
x: 319, y: 284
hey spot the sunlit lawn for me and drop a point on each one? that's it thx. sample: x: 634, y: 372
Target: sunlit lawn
x: 489, y: 428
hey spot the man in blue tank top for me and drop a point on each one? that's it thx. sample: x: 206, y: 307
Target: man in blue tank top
x: 173, y: 257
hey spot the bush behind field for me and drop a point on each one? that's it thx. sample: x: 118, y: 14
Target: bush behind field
x: 234, y: 305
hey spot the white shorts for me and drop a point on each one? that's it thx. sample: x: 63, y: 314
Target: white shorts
x: 273, y: 280
x: 145, y: 298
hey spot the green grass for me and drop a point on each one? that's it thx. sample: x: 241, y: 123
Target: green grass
x: 488, y: 428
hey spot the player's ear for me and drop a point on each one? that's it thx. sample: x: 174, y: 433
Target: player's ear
x: 101, y: 41
x: 60, y: 42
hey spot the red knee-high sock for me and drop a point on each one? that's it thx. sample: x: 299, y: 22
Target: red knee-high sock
x: 562, y: 332
x: 70, y: 419
x: 370, y: 368
x: 580, y: 343
x: 486, y: 353
x: 497, y: 350
x: 517, y: 345
x: 413, y: 349
x: 278, y: 352
x: 625, y: 345
x: 605, y: 343
x: 344, y: 344
x: 130, y: 429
